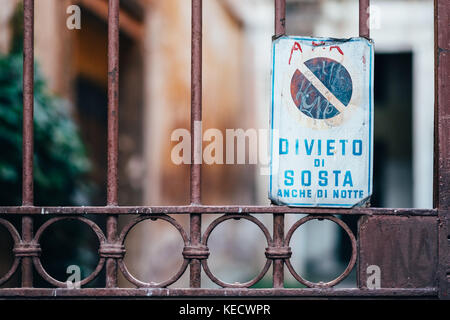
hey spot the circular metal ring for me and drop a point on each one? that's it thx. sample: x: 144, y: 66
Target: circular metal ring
x: 350, y: 265
x: 124, y: 268
x: 205, y: 238
x: 37, y: 261
x: 16, y: 238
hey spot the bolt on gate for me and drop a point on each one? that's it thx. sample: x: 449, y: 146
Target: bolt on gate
x: 380, y: 239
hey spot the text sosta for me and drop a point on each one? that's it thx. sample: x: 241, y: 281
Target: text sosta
x: 334, y: 178
x: 319, y: 147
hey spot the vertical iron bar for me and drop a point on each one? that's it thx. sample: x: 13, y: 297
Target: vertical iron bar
x: 442, y: 106
x: 113, y: 132
x: 278, y: 219
x: 441, y: 192
x: 111, y: 263
x: 280, y: 18
x: 28, y: 106
x: 27, y: 262
x: 364, y: 16
x: 364, y: 31
x: 27, y: 137
x: 278, y: 241
x: 113, y: 99
x: 196, y: 118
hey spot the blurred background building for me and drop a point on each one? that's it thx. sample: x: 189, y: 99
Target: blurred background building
x: 155, y: 100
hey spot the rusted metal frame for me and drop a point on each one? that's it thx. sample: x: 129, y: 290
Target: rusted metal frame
x: 28, y: 104
x: 202, y: 209
x: 405, y: 249
x: 350, y: 265
x: 27, y: 261
x: 218, y: 293
x: 364, y: 16
x: 278, y: 243
x: 280, y: 18
x: 111, y: 262
x: 117, y: 250
x: 278, y: 218
x: 113, y: 133
x: 27, y: 137
x: 196, y: 136
x: 364, y: 31
x: 271, y: 252
x: 196, y: 209
x: 188, y: 252
x: 18, y: 244
x: 441, y: 136
x: 34, y: 250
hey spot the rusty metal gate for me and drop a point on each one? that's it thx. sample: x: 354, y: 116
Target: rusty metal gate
x: 415, y: 239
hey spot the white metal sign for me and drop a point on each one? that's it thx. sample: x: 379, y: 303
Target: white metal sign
x: 322, y: 122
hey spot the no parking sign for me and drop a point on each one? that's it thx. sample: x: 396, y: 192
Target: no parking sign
x: 322, y: 122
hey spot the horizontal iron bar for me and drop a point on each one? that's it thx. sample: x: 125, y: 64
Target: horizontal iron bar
x: 204, y: 209
x: 217, y: 293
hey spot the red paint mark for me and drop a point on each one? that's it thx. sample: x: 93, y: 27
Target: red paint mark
x: 315, y: 44
x: 364, y: 59
x: 295, y: 47
x: 338, y: 49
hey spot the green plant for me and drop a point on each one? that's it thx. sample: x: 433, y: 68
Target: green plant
x: 61, y: 165
x: 60, y: 162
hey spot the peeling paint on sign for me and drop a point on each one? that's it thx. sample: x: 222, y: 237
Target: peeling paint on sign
x: 322, y: 122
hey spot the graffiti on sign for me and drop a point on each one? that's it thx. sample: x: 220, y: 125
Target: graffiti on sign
x: 322, y: 122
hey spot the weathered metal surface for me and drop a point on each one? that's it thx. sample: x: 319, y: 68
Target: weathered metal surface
x: 404, y: 248
x: 218, y: 293
x: 113, y: 133
x: 196, y: 98
x: 196, y: 134
x: 278, y: 242
x: 322, y: 122
x: 444, y: 256
x: 35, y: 253
x: 111, y: 262
x: 121, y: 245
x: 28, y: 143
x: 280, y: 18
x: 28, y: 104
x: 114, y: 249
x: 442, y: 112
x: 442, y: 138
x: 364, y: 16
x: 113, y: 100
x: 350, y: 265
x: 266, y: 233
x: 16, y: 238
x: 278, y: 219
x: 155, y: 210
